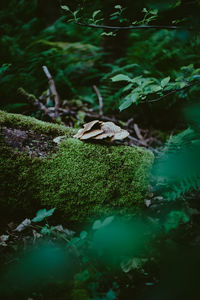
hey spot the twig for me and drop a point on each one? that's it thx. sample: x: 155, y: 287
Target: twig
x: 100, y: 100
x: 136, y: 140
x: 35, y: 102
x: 48, y: 99
x: 129, y: 122
x: 174, y: 91
x: 168, y: 27
x: 52, y: 87
x: 138, y: 133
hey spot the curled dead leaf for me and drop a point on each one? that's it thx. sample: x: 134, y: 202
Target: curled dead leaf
x: 99, y: 130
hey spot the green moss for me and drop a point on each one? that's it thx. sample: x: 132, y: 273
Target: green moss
x: 20, y: 121
x: 82, y: 179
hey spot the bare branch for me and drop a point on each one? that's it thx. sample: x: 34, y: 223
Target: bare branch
x: 136, y: 27
x: 139, y: 135
x: 35, y: 102
x: 100, y: 100
x: 138, y: 142
x: 174, y: 91
x: 52, y: 87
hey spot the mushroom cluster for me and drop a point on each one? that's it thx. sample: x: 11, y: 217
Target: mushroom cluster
x: 99, y: 130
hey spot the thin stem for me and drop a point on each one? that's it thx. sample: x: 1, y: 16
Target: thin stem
x: 168, y: 27
x: 174, y: 91
x: 100, y: 100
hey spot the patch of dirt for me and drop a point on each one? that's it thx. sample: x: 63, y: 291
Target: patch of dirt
x: 37, y: 145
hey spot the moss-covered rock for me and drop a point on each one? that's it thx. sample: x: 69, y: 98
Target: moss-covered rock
x: 82, y: 179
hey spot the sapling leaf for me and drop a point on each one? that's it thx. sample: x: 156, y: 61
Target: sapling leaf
x: 95, y: 13
x: 96, y: 225
x: 165, y: 81
x: 108, y: 33
x: 121, y: 77
x: 128, y: 102
x: 83, y: 234
x: 42, y: 214
x: 145, y: 10
x: 118, y: 7
x: 65, y: 7
x: 45, y: 230
x: 108, y: 220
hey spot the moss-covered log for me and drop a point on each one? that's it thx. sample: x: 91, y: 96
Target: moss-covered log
x: 82, y: 179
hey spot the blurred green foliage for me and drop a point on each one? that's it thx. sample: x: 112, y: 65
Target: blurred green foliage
x: 177, y: 168
x: 68, y: 52
x: 79, y: 57
x: 112, y: 257
x: 93, y: 264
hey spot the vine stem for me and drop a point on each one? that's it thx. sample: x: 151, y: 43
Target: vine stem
x: 168, y: 27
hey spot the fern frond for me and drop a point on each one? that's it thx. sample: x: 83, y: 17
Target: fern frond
x: 178, y: 165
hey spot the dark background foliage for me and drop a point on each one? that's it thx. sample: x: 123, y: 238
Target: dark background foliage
x: 100, y: 262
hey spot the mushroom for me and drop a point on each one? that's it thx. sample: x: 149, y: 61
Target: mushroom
x: 99, y: 130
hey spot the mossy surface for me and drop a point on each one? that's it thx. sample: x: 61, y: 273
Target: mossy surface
x: 20, y: 121
x: 82, y: 179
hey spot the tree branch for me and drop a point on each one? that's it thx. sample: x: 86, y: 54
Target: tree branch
x: 168, y: 27
x: 100, y: 100
x: 35, y: 102
x: 174, y: 91
x: 52, y: 87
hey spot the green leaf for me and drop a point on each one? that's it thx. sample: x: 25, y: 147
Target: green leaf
x: 75, y: 13
x: 145, y: 10
x: 128, y: 87
x: 155, y: 88
x: 121, y: 77
x: 108, y: 220
x: 65, y: 7
x: 96, y: 225
x: 134, y: 97
x: 42, y: 214
x: 154, y: 11
x: 165, y: 81
x: 95, y: 13
x: 84, y: 276
x: 128, y: 102
x: 45, y: 230
x: 118, y: 7
x: 83, y: 234
x: 108, y: 34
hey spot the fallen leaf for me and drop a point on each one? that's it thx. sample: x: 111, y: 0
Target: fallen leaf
x: 23, y: 225
x: 147, y: 202
x: 58, y: 139
x: 3, y: 240
x: 133, y: 263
